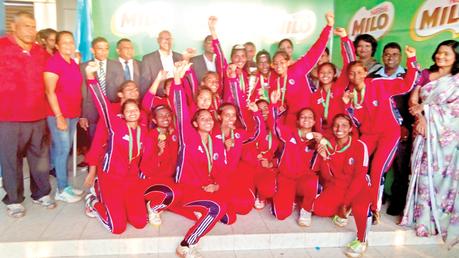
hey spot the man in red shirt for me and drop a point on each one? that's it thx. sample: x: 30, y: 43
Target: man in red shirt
x: 23, y: 109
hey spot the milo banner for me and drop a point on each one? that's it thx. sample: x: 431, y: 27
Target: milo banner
x: 264, y: 22
x: 419, y: 23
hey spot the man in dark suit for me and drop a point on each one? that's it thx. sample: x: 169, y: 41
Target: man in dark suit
x: 130, y: 66
x: 205, y: 62
x: 161, y: 59
x: 110, y: 76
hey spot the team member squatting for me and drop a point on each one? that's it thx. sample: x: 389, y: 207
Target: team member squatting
x: 199, y: 161
x: 343, y: 166
x: 121, y: 195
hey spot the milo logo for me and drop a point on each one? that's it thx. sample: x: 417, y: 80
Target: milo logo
x: 435, y: 16
x: 376, y: 21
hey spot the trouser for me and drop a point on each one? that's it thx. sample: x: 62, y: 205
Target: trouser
x: 61, y: 143
x: 161, y: 193
x: 239, y: 192
x: 211, y: 206
x: 19, y: 139
x: 331, y: 199
x: 401, y: 168
x: 306, y: 186
x: 120, y: 201
x: 264, y: 182
x: 382, y: 147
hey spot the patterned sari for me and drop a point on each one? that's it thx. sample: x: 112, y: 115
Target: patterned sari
x: 432, y: 202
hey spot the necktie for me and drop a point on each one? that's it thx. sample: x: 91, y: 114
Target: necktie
x: 103, y: 84
x: 127, y: 71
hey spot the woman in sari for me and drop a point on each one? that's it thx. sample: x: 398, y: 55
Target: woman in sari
x: 433, y: 201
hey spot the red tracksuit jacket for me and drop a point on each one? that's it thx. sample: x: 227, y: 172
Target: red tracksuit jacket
x: 375, y: 116
x: 336, y: 104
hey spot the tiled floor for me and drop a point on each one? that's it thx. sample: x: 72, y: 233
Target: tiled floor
x: 257, y: 230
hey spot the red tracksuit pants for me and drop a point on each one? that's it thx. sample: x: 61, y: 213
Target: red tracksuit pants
x: 332, y: 197
x: 120, y: 200
x: 263, y: 180
x: 306, y: 186
x: 383, y: 147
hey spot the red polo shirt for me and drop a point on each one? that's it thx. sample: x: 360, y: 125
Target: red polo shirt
x: 22, y: 91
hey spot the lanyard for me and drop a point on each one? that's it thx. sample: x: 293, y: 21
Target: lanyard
x: 215, y: 102
x: 328, y: 144
x: 209, y: 152
x: 326, y: 103
x: 242, y: 82
x: 283, y: 89
x: 265, y: 89
x: 232, y: 137
x: 138, y: 132
x: 270, y: 142
x: 362, y: 97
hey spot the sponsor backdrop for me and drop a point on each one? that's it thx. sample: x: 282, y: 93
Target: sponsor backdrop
x: 419, y: 23
x: 263, y: 22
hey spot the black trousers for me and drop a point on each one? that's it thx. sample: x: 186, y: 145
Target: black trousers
x: 401, y: 167
x: 19, y: 140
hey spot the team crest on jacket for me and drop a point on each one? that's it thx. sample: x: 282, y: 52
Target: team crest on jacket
x: 215, y: 157
x: 351, y: 161
x: 291, y: 81
x: 375, y: 103
x: 174, y: 138
x: 237, y: 135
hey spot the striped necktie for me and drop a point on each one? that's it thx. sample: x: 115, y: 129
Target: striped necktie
x: 127, y: 71
x: 101, y: 77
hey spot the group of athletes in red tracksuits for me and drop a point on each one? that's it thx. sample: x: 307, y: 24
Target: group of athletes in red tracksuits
x: 211, y: 152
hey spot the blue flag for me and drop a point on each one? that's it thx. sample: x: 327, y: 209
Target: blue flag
x: 83, y: 33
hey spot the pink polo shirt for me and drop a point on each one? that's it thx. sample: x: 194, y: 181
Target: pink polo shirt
x: 68, y: 87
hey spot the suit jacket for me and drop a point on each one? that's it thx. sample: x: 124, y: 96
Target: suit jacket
x: 149, y: 68
x: 199, y: 66
x: 114, y: 78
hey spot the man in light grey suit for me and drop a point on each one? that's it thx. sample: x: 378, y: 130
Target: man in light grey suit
x: 130, y: 66
x: 161, y: 59
x: 205, y: 62
x: 110, y: 76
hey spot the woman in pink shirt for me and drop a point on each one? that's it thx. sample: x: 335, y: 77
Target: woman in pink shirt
x: 63, y: 90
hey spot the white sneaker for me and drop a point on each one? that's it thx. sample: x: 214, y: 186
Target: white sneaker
x: 67, y: 195
x: 259, y: 204
x: 46, y: 202
x: 153, y: 217
x: 88, y: 208
x: 305, y: 218
x: 15, y: 210
x: 188, y: 251
x: 355, y: 248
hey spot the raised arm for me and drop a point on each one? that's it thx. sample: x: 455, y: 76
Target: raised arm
x: 348, y: 55
x: 233, y: 94
x: 305, y: 64
x: 220, y: 60
x: 100, y: 100
x: 148, y: 99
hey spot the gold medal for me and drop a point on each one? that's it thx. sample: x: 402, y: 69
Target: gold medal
x: 162, y: 137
